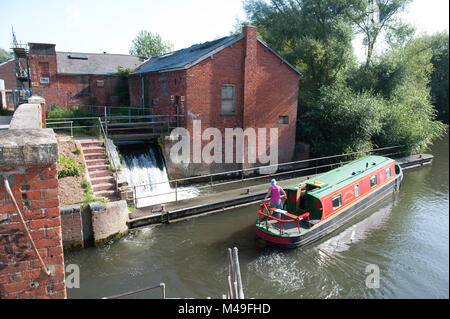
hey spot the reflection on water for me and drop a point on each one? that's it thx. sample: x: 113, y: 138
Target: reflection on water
x: 405, y: 235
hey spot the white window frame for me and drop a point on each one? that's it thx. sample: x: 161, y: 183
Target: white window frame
x: 233, y: 100
x: 376, y: 181
x: 387, y: 173
x: 356, y: 190
x: 339, y: 196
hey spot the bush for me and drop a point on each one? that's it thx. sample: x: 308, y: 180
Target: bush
x: 70, y: 168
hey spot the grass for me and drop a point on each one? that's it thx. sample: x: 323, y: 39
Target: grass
x: 89, y: 194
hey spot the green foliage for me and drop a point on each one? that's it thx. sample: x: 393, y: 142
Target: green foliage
x: 89, y: 194
x: 122, y: 88
x: 340, y: 121
x: 371, y: 17
x: 346, y: 107
x: 439, y: 76
x: 75, y: 112
x: 149, y: 44
x: 313, y: 35
x: 70, y: 168
x: 77, y: 151
x: 4, y: 55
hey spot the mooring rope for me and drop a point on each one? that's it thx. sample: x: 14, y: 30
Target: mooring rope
x: 44, y: 267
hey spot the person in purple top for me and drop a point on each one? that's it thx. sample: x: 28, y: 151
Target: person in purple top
x: 275, y: 192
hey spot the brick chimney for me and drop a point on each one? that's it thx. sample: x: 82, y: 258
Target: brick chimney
x: 249, y: 75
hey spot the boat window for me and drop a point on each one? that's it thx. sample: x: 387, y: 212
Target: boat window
x: 373, y: 181
x: 387, y: 172
x: 336, y: 201
x: 356, y: 190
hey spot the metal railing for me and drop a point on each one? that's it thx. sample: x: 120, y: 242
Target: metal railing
x: 63, y: 127
x: 163, y: 123
x: 108, y: 146
x: 243, y: 178
x: 161, y: 285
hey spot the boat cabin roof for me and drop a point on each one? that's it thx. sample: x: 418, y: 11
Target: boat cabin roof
x: 331, y: 181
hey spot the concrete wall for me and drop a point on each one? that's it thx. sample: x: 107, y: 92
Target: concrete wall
x: 93, y: 223
x: 109, y: 220
x: 28, y: 159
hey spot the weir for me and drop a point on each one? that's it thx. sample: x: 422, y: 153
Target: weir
x: 144, y: 167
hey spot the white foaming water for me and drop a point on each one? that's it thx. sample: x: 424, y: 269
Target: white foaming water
x: 150, y: 180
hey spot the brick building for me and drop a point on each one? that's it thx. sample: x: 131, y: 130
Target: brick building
x: 68, y: 78
x: 8, y: 74
x: 233, y: 82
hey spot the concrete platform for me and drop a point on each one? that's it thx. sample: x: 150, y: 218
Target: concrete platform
x: 225, y: 200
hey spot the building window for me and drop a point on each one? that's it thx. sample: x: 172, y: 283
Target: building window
x: 283, y: 119
x: 387, y: 172
x: 373, y: 181
x: 356, y: 190
x: 100, y: 83
x: 336, y: 201
x: 228, y: 99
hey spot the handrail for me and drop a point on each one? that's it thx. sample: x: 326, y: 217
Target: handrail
x: 162, y: 285
x: 22, y: 221
x: 108, y: 151
x: 277, y: 219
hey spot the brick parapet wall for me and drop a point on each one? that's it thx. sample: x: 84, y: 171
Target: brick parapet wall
x: 28, y: 162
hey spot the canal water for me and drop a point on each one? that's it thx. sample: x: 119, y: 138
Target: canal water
x: 404, y: 238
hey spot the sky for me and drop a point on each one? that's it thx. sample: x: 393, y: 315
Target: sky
x: 110, y: 25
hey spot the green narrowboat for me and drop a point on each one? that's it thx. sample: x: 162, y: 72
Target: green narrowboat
x: 318, y: 206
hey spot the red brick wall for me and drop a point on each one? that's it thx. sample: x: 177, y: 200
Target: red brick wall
x: 36, y: 191
x: 266, y: 88
x: 8, y: 73
x: 72, y: 230
x: 70, y: 90
x: 135, y: 91
x: 276, y: 95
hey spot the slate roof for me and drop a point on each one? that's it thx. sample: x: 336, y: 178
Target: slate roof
x: 188, y: 57
x: 95, y: 63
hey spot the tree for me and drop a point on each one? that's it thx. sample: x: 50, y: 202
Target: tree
x: 149, y: 44
x: 343, y: 106
x: 439, y: 76
x: 4, y: 55
x: 313, y: 35
x: 371, y: 17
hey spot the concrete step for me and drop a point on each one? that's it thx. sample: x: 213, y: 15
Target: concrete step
x: 90, y: 142
x: 96, y: 162
x: 103, y: 187
x: 110, y: 195
x: 93, y: 150
x: 95, y: 156
x: 101, y: 173
x: 99, y: 167
x: 102, y: 179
